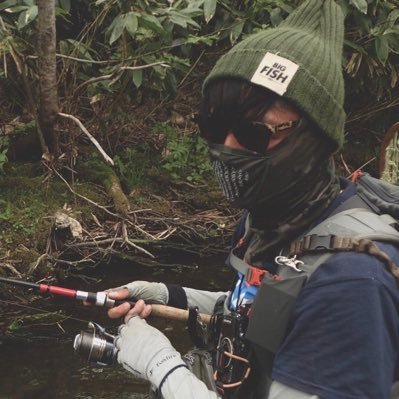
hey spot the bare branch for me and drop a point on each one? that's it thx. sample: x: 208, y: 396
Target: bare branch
x: 120, y: 69
x: 92, y: 139
x: 85, y: 198
x: 86, y: 61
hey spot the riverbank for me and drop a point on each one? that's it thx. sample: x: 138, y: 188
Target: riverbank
x: 57, y: 223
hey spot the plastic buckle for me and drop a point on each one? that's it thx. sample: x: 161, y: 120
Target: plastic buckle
x: 254, y: 276
x: 318, y: 243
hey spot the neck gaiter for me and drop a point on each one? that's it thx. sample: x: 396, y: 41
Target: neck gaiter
x: 284, y: 189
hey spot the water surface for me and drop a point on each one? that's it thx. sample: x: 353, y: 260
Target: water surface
x: 39, y: 361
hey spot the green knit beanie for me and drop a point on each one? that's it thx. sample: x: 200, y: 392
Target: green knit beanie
x: 301, y: 60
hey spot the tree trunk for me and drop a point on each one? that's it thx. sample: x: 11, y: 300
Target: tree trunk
x: 48, y: 108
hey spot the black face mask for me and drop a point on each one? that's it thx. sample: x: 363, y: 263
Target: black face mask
x: 240, y: 173
x: 279, y: 181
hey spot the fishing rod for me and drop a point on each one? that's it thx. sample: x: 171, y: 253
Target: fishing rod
x: 102, y: 299
x: 95, y: 343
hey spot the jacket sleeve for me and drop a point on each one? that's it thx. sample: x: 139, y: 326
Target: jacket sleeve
x: 183, y: 384
x: 204, y: 300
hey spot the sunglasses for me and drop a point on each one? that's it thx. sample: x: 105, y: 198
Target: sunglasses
x: 254, y: 136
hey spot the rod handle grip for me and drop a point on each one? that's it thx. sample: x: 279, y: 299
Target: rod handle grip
x: 168, y: 312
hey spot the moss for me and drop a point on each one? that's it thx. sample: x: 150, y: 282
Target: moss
x: 27, y: 204
x: 102, y: 174
x: 29, y: 199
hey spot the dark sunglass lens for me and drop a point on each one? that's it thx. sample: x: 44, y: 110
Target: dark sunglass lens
x: 213, y: 137
x: 254, y: 137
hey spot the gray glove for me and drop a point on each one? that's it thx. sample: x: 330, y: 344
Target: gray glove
x: 146, y: 352
x: 149, y: 292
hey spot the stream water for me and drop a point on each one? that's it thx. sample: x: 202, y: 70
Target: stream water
x: 41, y: 362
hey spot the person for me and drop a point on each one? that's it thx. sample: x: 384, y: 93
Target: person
x: 272, y: 113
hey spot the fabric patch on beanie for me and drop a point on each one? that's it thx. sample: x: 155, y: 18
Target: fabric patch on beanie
x: 275, y: 73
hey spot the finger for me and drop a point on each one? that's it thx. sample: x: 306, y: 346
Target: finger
x: 119, y: 311
x: 123, y: 293
x: 146, y: 312
x: 136, y: 310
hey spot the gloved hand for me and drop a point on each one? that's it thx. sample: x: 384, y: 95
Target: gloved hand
x: 146, y: 352
x: 151, y: 292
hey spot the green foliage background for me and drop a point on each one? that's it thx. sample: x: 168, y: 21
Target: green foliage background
x: 115, y: 54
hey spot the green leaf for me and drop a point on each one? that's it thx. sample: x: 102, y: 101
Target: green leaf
x: 209, y: 9
x: 82, y: 50
x: 356, y: 47
x: 15, y: 325
x: 150, y: 22
x: 361, y: 5
x: 131, y: 23
x: 116, y: 28
x: 17, y: 9
x: 27, y: 17
x: 137, y: 77
x: 275, y: 16
x: 207, y: 40
x: 393, y: 42
x: 65, y: 5
x: 7, y: 3
x: 182, y: 20
x: 381, y: 48
x: 236, y: 30
x: 392, y: 18
x: 3, y: 159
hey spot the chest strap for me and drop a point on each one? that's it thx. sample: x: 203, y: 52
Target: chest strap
x: 333, y: 243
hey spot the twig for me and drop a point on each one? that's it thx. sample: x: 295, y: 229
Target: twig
x: 191, y: 69
x: 92, y: 139
x: 11, y: 268
x: 72, y: 263
x: 138, y: 228
x: 86, y: 61
x: 98, y: 243
x: 117, y: 70
x: 37, y: 263
x: 344, y: 163
x: 85, y: 198
x: 361, y: 167
x: 151, y: 263
x: 127, y: 241
x: 163, y: 235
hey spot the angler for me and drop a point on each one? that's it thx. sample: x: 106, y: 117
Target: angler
x: 313, y: 310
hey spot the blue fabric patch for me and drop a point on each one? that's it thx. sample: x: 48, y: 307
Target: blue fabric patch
x: 344, y: 337
x: 242, y: 294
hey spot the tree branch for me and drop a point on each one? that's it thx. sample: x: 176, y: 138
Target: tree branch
x: 122, y: 68
x: 92, y: 139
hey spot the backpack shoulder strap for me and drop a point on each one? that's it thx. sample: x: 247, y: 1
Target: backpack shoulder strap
x: 344, y: 228
x: 350, y: 230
